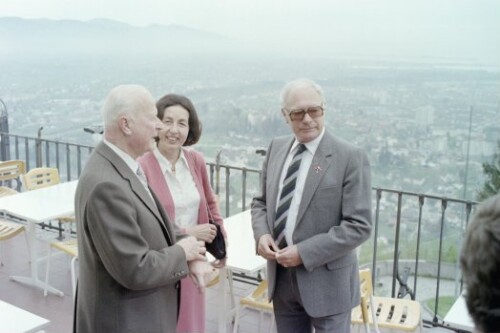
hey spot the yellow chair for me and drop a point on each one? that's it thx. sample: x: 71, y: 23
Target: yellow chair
x: 257, y: 300
x: 391, y: 313
x: 69, y: 247
x: 39, y: 178
x: 214, y: 281
x: 12, y: 170
x: 44, y: 177
x: 9, y: 229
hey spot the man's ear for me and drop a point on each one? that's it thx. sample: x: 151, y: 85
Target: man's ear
x: 124, y: 124
x: 285, y: 115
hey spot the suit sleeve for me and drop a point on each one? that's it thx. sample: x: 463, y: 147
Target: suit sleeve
x: 120, y: 240
x: 355, y: 218
x: 259, y: 205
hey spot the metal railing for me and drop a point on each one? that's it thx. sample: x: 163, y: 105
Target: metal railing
x: 426, y: 230
x: 68, y: 158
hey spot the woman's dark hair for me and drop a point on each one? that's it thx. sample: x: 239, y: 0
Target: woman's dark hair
x: 194, y: 124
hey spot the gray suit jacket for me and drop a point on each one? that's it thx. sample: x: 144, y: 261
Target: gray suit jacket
x: 334, y: 218
x: 128, y: 267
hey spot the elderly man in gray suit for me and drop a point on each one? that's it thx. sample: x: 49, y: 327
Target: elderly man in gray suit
x: 313, y: 211
x: 130, y: 261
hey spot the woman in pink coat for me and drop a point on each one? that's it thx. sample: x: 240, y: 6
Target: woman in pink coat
x: 178, y: 177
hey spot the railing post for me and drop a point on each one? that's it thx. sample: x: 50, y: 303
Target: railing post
x: 444, y: 204
x: 228, y: 190
x: 4, y: 128
x: 375, y: 233
x: 38, y: 148
x: 419, y: 232
x: 396, y: 245
x: 243, y: 189
x: 217, y: 172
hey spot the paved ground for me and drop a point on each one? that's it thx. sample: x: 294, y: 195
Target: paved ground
x: 59, y: 309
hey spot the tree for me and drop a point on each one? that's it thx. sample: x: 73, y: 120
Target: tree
x: 492, y: 171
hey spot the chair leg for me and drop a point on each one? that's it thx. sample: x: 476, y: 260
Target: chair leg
x: 231, y: 288
x: 47, y: 272
x: 237, y: 318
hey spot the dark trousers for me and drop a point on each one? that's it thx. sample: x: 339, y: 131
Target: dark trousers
x: 291, y: 317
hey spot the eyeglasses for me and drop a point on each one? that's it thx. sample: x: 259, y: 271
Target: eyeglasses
x: 299, y: 114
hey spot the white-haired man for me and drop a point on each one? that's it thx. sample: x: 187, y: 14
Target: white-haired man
x: 130, y: 261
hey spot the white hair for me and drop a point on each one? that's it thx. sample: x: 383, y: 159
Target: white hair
x: 296, y: 84
x: 123, y: 100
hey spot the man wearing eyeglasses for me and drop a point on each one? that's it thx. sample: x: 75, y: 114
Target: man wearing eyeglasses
x: 313, y: 211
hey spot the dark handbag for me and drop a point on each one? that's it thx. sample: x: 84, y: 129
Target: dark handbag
x: 218, y: 246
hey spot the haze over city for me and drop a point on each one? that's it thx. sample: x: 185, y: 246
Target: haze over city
x: 463, y: 30
x: 400, y: 77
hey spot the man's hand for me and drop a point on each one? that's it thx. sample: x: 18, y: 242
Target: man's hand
x: 194, y: 250
x: 266, y: 247
x: 205, y: 232
x: 289, y: 256
x: 201, y: 272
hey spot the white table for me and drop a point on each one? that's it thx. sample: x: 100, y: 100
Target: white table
x: 17, y: 320
x: 241, y: 258
x: 458, y: 316
x: 35, y: 207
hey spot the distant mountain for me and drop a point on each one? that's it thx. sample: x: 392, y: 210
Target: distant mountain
x: 103, y: 36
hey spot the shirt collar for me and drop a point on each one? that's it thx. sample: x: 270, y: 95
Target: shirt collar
x: 132, y: 164
x: 165, y: 164
x: 312, y: 145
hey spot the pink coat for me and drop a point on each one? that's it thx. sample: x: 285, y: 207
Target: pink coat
x: 192, y: 307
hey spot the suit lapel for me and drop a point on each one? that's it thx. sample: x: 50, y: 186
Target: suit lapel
x: 136, y: 186
x: 321, y: 162
x: 164, y: 221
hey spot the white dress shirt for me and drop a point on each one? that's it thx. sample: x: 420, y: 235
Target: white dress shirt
x: 182, y: 188
x: 305, y: 164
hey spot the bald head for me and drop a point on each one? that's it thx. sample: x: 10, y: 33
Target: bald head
x: 125, y: 99
x: 130, y: 122
x: 296, y: 85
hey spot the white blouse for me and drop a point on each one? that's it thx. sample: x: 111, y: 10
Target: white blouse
x: 183, y: 189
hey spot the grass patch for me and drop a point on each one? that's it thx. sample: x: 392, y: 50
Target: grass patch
x: 445, y: 303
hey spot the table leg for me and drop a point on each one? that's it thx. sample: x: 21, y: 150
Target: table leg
x: 226, y: 313
x: 33, y: 280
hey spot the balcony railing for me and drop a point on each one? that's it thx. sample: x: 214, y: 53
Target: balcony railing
x: 421, y: 232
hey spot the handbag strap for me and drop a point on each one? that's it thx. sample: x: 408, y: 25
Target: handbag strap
x: 210, y: 217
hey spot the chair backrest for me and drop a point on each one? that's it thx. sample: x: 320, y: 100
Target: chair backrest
x: 40, y: 177
x: 12, y: 170
x: 387, y: 312
x: 366, y: 287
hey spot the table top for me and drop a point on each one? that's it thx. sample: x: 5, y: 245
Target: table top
x: 241, y: 255
x: 458, y: 316
x: 42, y: 204
x: 17, y: 320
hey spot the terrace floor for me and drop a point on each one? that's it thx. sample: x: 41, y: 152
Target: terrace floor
x: 59, y: 309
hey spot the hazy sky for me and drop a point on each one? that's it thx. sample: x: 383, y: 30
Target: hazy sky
x: 462, y: 29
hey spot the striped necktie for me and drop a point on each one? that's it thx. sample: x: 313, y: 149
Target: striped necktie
x: 286, y: 197
x: 142, y: 178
